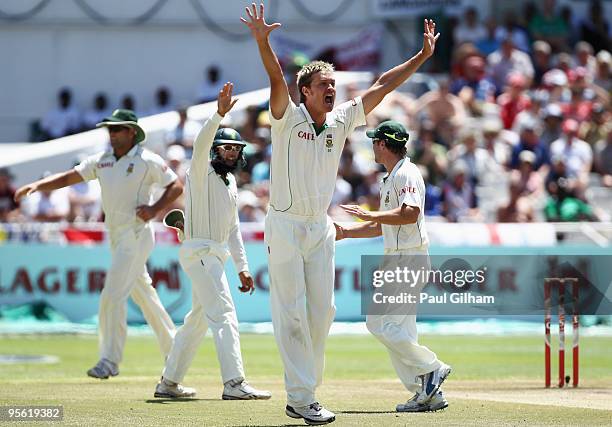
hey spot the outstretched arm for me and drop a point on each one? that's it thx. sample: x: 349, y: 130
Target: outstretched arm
x: 358, y: 230
x: 399, y: 216
x: 390, y: 80
x: 53, y: 182
x: 279, y: 93
x: 206, y: 136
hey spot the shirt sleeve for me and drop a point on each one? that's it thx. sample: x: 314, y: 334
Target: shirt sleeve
x: 203, y: 144
x: 160, y: 172
x: 236, y: 247
x: 352, y: 114
x: 407, y: 189
x: 87, y: 168
x: 279, y: 125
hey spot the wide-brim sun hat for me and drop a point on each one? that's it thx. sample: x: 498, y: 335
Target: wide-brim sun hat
x: 123, y: 117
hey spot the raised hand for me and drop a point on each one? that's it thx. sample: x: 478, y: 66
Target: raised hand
x: 224, y: 100
x: 257, y: 23
x: 429, y: 37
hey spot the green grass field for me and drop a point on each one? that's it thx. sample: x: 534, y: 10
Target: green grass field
x: 495, y: 381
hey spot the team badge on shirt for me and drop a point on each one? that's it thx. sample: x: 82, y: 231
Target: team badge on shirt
x: 329, y: 142
x: 387, y: 198
x: 130, y: 169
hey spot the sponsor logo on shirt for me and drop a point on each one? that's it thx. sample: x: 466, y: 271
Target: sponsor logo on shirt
x: 408, y: 190
x: 306, y: 135
x: 387, y: 198
x: 105, y: 165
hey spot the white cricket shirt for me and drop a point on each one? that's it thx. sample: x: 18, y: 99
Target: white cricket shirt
x: 211, y: 211
x: 304, y: 166
x: 126, y: 183
x: 404, y: 186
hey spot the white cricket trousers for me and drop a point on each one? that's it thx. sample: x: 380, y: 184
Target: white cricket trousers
x: 301, y: 269
x: 212, y: 306
x: 128, y: 277
x: 398, y: 332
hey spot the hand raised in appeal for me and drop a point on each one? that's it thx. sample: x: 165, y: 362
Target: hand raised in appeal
x: 224, y: 100
x: 257, y: 22
x: 429, y: 37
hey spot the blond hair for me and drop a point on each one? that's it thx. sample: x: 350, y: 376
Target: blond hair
x: 304, y: 76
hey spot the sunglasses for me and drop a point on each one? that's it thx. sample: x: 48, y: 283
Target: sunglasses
x: 231, y: 147
x: 397, y: 137
x: 113, y: 129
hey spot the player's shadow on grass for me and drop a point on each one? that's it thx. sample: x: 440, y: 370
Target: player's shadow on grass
x: 366, y: 412
x: 178, y: 400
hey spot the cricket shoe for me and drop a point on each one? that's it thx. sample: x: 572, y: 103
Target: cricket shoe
x: 104, y: 369
x: 436, y: 403
x: 314, y: 414
x: 176, y: 219
x: 241, y: 390
x: 431, y: 383
x: 171, y: 390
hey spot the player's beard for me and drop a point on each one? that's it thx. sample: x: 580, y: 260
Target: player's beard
x: 222, y: 167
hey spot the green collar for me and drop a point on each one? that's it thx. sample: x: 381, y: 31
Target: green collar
x: 320, y: 130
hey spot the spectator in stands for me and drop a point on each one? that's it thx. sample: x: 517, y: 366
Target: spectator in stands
x: 47, y: 206
x: 98, y: 111
x: 548, y: 25
x: 428, y: 153
x: 433, y: 195
x: 475, y: 79
x: 595, y: 128
x: 85, y: 200
x: 458, y: 196
x: 578, y: 108
x: 584, y: 58
x: 594, y: 29
x: 249, y: 209
x: 261, y: 171
x: 577, y: 154
x: 603, y: 159
x: 603, y: 73
x: 506, y: 60
x: 470, y: 29
x: 184, y: 133
x: 555, y: 82
x: 511, y: 29
x: 488, y: 44
x: 440, y: 105
x: 210, y: 86
x: 498, y: 149
x: 129, y: 103
x: 553, y: 118
x: 531, y: 181
x: 529, y: 140
x: 513, y: 100
x: 162, y: 101
x: 541, y: 61
x: 9, y: 208
x: 564, y: 204
x: 177, y: 160
x: 518, y: 208
x: 63, y: 120
x: 537, y: 99
x: 481, y: 168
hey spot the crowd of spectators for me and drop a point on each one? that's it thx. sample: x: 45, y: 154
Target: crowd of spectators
x: 519, y: 130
